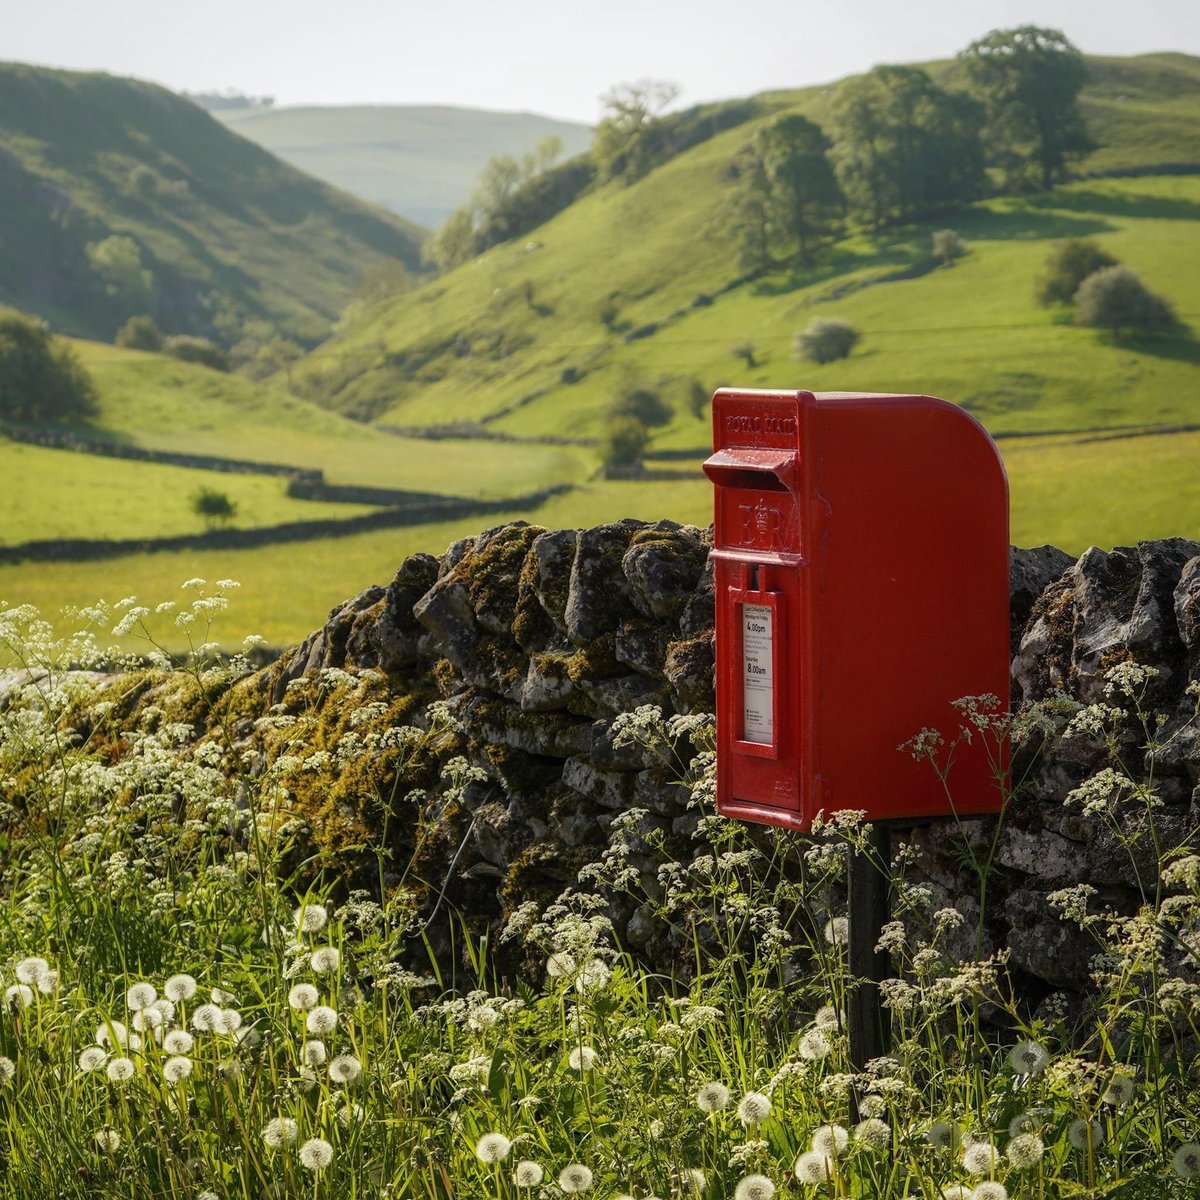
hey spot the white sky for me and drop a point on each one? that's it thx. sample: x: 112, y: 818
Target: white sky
x: 549, y: 56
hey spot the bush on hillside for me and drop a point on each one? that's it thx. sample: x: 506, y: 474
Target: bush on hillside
x: 1068, y: 266
x: 1116, y: 299
x: 642, y: 403
x: 624, y: 440
x: 825, y: 339
x: 212, y: 507
x: 948, y: 245
x: 197, y: 350
x: 745, y: 351
x: 41, y: 379
x: 140, y: 333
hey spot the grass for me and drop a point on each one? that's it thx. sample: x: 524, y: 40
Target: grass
x: 419, y: 161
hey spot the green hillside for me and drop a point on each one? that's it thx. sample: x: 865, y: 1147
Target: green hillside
x: 421, y: 161
x: 213, y: 230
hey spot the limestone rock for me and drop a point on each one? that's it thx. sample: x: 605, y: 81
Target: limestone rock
x: 599, y: 595
x: 662, y: 566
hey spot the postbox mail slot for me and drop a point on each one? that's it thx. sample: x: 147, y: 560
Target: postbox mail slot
x: 772, y: 470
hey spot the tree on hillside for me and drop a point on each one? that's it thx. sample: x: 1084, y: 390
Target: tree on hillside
x: 947, y: 245
x: 804, y: 192
x: 748, y: 215
x: 40, y: 377
x: 621, y: 144
x: 212, y: 507
x: 140, y: 333
x: 1069, y: 264
x: 1116, y: 299
x: 118, y: 261
x: 903, y: 146
x: 825, y: 339
x: 1030, y: 79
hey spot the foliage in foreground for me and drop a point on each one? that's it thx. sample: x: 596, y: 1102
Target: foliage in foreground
x: 180, y: 1020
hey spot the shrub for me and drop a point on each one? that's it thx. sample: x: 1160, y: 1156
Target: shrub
x: 197, y: 350
x: 213, y: 507
x: 140, y: 333
x: 745, y: 351
x: 642, y: 403
x: 947, y: 246
x: 40, y: 377
x: 825, y: 340
x: 624, y: 440
x: 1116, y: 299
x: 1068, y: 266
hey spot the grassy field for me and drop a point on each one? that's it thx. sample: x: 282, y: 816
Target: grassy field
x: 419, y: 161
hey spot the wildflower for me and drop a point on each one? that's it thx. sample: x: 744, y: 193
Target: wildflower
x: 140, y: 995
x: 989, y: 1190
x: 528, y: 1174
x: 827, y: 1017
x: 30, y: 970
x: 560, y: 964
x: 582, y: 1058
x: 1084, y: 1135
x: 1119, y: 1091
x: 1185, y: 1162
x: 279, y: 1132
x: 814, y: 1045
x: 228, y: 1020
x: 812, y: 1167
x: 837, y: 931
x: 753, y: 1109
x: 92, y: 1059
x: 179, y: 988
x: 178, y: 1041
x: 345, y: 1069
x: 873, y: 1133
x: 1025, y: 1151
x: 316, y: 1154
x: 754, y: 1187
x: 205, y: 1018
x: 492, y: 1147
x: 311, y: 918
x: 107, y: 1140
x: 326, y: 960
x: 321, y: 1019
x: 979, y: 1158
x: 8, y: 1069
x: 120, y: 1070
x: 47, y: 982
x: 575, y: 1177
x: 942, y: 1135
x: 177, y: 1068
x: 1028, y: 1058
x: 314, y: 1053
x: 872, y: 1106
x: 830, y: 1140
x: 303, y: 997
x: 712, y: 1097
x: 18, y: 995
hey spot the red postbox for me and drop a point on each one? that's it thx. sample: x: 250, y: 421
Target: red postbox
x: 861, y: 576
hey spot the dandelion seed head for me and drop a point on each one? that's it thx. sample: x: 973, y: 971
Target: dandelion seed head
x: 345, y: 1069
x: 528, y: 1174
x: 712, y: 1097
x: 229, y: 1020
x: 837, y: 931
x: 989, y: 1190
x: 177, y: 1068
x: 560, y: 964
x: 8, y: 1069
x: 146, y: 1019
x: 303, y: 997
x: 321, y: 1020
x: 827, y: 1017
x: 112, y: 1034
x: 1081, y: 1133
x: 92, y: 1059
x: 1028, y: 1058
x: 350, y: 1114
x: 18, y: 995
x: 593, y: 977
x: 205, y: 1018
x: 178, y: 1041
x: 140, y: 995
x: 754, y: 1187
x: 582, y: 1058
x: 872, y: 1106
x: 1185, y: 1162
x: 956, y: 1191
x: 873, y: 1133
x: 316, y: 1154
x: 30, y: 970
x: 492, y: 1148
x: 979, y: 1158
x: 164, y: 1007
x: 812, y: 1167
x: 179, y: 988
x: 1023, y: 1122
x: 943, y: 1135
x: 47, y: 982
x: 108, y: 1141
x: 120, y: 1070
x: 314, y: 1053
x: 814, y: 1045
x: 279, y: 1132
x: 311, y: 918
x: 830, y: 1140
x: 1025, y: 1151
x: 694, y: 1181
x: 753, y: 1109
x: 575, y: 1177
x: 326, y: 960
x: 1120, y: 1090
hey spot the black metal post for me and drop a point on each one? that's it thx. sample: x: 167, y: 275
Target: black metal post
x: 870, y: 908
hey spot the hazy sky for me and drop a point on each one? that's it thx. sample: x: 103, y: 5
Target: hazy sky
x: 549, y: 56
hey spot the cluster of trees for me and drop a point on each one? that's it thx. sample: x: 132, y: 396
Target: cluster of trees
x: 900, y: 146
x: 41, y: 379
x: 636, y: 408
x: 141, y: 333
x: 1105, y: 293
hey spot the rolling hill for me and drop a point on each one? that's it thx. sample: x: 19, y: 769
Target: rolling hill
x: 118, y: 197
x: 419, y: 161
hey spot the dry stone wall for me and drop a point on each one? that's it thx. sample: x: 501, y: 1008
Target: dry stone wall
x: 539, y: 639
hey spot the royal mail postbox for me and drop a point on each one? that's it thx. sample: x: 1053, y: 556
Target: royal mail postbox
x: 861, y: 579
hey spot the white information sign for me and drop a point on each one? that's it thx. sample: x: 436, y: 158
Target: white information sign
x: 758, y: 674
